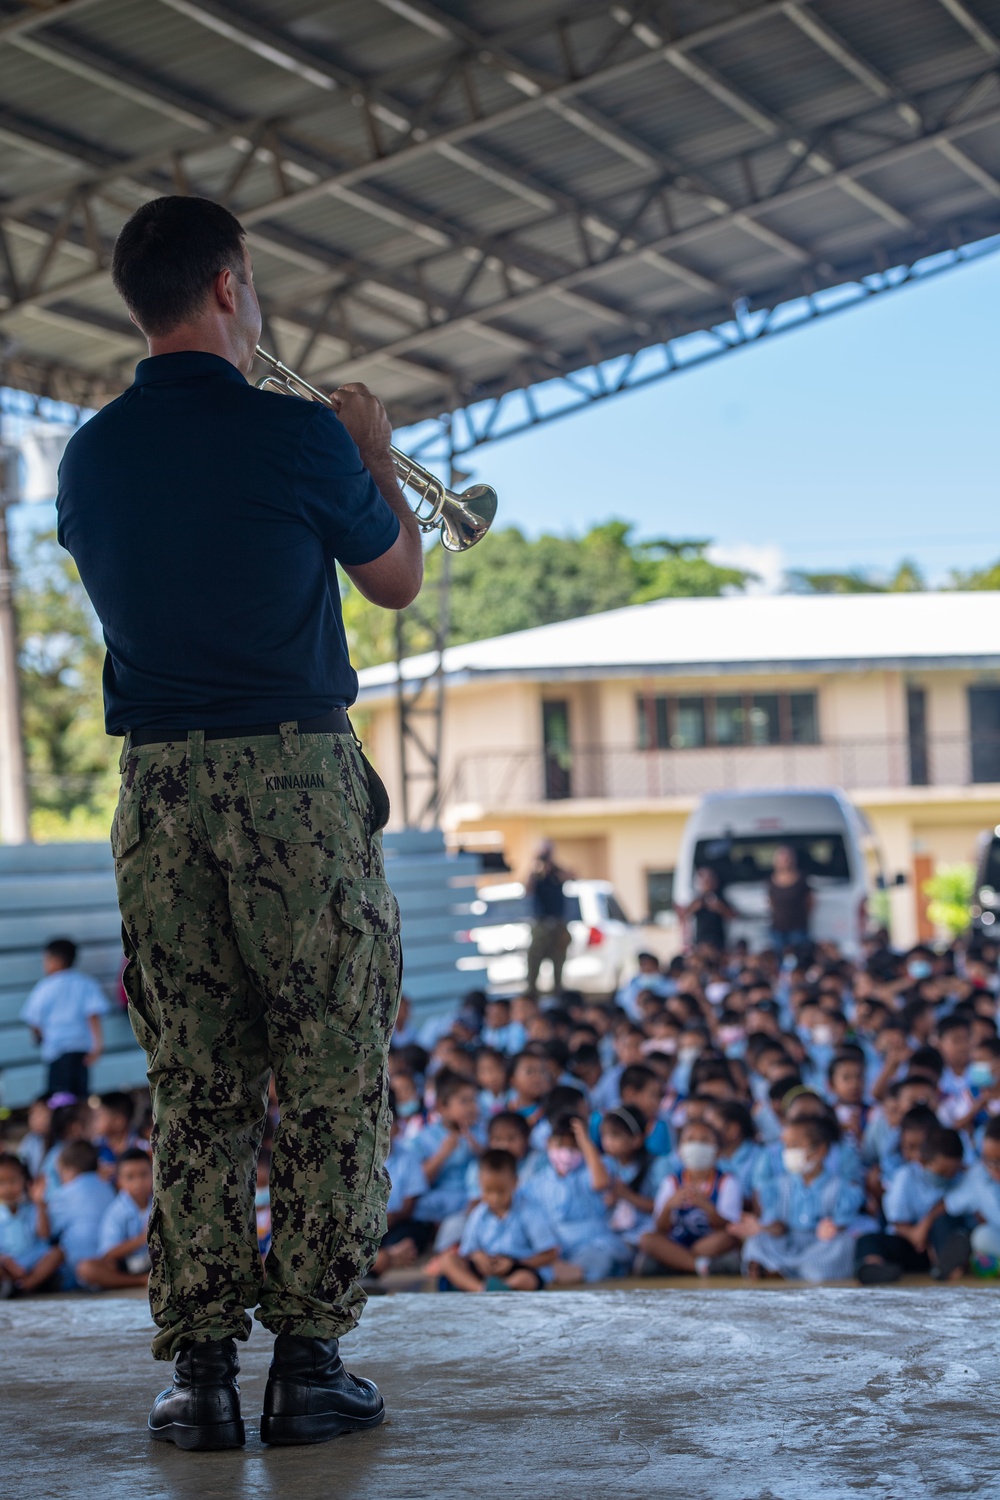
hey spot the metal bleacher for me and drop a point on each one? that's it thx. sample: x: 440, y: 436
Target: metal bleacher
x: 68, y: 890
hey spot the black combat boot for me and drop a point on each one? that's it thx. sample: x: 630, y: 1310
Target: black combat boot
x: 310, y: 1397
x: 202, y: 1407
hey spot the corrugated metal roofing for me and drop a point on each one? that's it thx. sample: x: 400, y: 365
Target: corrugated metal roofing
x: 690, y: 636
x: 466, y: 197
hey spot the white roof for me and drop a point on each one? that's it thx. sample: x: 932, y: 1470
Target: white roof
x: 825, y: 632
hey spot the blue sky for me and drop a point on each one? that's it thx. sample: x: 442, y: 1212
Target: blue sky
x: 852, y: 441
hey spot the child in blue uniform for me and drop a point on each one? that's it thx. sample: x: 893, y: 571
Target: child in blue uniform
x: 508, y: 1242
x: 122, y: 1258
x: 634, y: 1171
x: 801, y: 1232
x: 920, y: 1233
x: 445, y: 1148
x: 570, y: 1189
x: 74, y: 1212
x: 693, y: 1210
x: 27, y: 1261
x: 977, y: 1195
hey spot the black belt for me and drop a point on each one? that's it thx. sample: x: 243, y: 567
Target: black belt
x: 334, y: 722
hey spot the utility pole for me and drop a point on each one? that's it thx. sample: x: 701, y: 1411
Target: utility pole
x: 14, y: 821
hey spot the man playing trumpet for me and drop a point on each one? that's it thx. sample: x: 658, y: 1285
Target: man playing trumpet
x: 206, y: 518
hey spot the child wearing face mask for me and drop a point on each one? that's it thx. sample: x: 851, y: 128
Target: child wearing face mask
x: 693, y: 1211
x: 801, y: 1231
x: 979, y: 1101
x: 921, y: 1234
x: 569, y: 1188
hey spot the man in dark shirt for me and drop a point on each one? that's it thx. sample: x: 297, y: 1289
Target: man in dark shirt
x: 709, y: 911
x: 550, y: 935
x: 206, y: 518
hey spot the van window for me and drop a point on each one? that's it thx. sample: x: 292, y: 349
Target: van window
x: 741, y: 861
x: 991, y: 866
x: 519, y: 909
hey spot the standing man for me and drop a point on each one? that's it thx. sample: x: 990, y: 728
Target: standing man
x: 708, y: 913
x: 549, y: 931
x: 206, y: 518
x: 790, y: 901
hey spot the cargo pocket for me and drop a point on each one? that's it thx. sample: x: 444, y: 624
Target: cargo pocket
x: 139, y: 1011
x: 364, y: 958
x: 126, y: 827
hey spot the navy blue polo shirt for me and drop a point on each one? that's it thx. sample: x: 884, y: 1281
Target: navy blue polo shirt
x: 205, y: 518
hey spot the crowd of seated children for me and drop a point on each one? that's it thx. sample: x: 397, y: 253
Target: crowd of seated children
x: 75, y: 1196
x: 778, y: 1114
x: 788, y: 1115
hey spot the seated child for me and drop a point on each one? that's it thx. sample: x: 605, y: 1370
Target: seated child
x: 977, y: 1194
x: 491, y: 1078
x: 508, y: 1243
x: 27, y: 1261
x: 693, y: 1210
x: 32, y: 1145
x: 846, y: 1077
x: 641, y: 1087
x: 634, y: 1171
x: 801, y: 1232
x: 445, y: 1148
x: 122, y: 1258
x: 920, y: 1234
x: 528, y: 1085
x: 112, y: 1131
x: 570, y: 1189
x: 499, y: 1031
x: 404, y: 1238
x: 74, y: 1212
x: 733, y: 1123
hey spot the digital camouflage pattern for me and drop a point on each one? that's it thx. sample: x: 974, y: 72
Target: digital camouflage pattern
x: 260, y: 934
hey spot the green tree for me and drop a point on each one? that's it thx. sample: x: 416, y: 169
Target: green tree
x: 907, y: 579
x: 976, y: 578
x: 951, y: 889
x: 510, y: 583
x: 71, y: 761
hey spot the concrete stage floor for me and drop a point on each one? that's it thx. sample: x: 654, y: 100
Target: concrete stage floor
x: 631, y: 1395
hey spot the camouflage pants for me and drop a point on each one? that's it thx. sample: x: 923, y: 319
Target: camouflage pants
x: 261, y: 937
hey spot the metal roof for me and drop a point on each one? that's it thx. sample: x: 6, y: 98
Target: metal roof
x: 455, y: 200
x: 691, y: 637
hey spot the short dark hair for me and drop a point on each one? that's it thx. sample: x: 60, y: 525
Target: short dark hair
x: 514, y: 1120
x: 14, y: 1164
x: 942, y: 1142
x: 498, y: 1161
x: 79, y: 1156
x: 991, y: 1133
x: 953, y: 1023
x: 448, y: 1084
x: 118, y: 1103
x: 635, y: 1077
x: 63, y: 950
x: 168, y: 254
x: 136, y: 1153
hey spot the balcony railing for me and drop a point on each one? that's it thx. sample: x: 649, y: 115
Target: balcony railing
x: 503, y: 778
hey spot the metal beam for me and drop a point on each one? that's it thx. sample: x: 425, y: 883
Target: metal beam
x: 34, y: 17
x: 976, y: 28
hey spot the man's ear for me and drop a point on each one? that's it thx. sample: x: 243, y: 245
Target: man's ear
x: 224, y: 287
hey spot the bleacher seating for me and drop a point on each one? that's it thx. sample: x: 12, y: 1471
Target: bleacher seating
x: 68, y: 890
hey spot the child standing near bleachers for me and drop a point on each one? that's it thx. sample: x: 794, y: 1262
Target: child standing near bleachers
x: 801, y: 1232
x: 64, y: 1012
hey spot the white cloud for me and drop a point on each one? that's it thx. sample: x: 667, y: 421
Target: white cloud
x: 767, y: 560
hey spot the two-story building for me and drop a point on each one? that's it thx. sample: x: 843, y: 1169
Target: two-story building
x: 603, y: 732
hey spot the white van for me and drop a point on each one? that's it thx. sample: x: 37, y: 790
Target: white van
x: 737, y: 833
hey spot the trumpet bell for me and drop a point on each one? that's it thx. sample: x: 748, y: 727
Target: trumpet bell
x: 466, y: 518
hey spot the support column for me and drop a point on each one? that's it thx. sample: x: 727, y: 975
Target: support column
x: 14, y: 813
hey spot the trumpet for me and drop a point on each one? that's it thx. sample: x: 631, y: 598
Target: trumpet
x: 464, y: 519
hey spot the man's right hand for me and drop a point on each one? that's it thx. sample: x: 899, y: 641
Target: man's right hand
x: 365, y: 418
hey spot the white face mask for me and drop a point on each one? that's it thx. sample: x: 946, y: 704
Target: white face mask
x: 795, y: 1159
x: 697, y: 1156
x: 822, y: 1035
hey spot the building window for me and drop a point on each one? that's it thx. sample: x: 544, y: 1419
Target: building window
x: 659, y: 892
x: 667, y: 723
